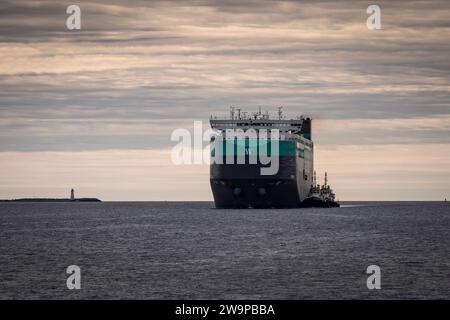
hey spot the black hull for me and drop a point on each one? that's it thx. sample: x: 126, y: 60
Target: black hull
x: 243, y: 186
x: 255, y: 194
x: 314, y: 202
x: 333, y: 204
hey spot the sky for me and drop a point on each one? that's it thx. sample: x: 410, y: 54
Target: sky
x: 94, y: 109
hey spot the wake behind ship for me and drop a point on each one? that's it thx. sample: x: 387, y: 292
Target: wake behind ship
x: 236, y: 182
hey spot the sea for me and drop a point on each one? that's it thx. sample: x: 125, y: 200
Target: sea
x: 190, y: 250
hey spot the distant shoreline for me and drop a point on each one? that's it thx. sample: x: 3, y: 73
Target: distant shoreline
x: 345, y: 203
x: 52, y: 200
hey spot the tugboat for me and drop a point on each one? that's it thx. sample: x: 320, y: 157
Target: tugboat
x: 320, y: 196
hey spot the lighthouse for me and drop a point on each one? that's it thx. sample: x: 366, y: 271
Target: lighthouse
x: 72, y: 195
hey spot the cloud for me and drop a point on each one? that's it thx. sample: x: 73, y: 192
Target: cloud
x: 139, y: 69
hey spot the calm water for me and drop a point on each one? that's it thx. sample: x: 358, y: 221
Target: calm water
x: 191, y: 251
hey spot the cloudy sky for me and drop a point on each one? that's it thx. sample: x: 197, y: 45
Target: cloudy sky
x: 94, y: 108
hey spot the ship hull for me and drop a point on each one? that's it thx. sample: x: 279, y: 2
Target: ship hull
x: 255, y: 194
x: 314, y: 202
x: 243, y: 185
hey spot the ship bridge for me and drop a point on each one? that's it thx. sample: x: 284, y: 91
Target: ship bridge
x: 258, y: 120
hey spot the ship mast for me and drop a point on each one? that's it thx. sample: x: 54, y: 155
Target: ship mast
x: 280, y: 113
x: 326, y: 179
x: 232, y: 113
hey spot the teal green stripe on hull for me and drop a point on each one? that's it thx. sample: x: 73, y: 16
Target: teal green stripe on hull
x: 255, y: 147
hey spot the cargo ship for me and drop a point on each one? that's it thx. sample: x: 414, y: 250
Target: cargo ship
x: 238, y: 182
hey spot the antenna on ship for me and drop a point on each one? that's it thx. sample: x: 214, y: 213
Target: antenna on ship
x: 280, y: 113
x: 326, y: 179
x: 314, y: 179
x: 232, y: 113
